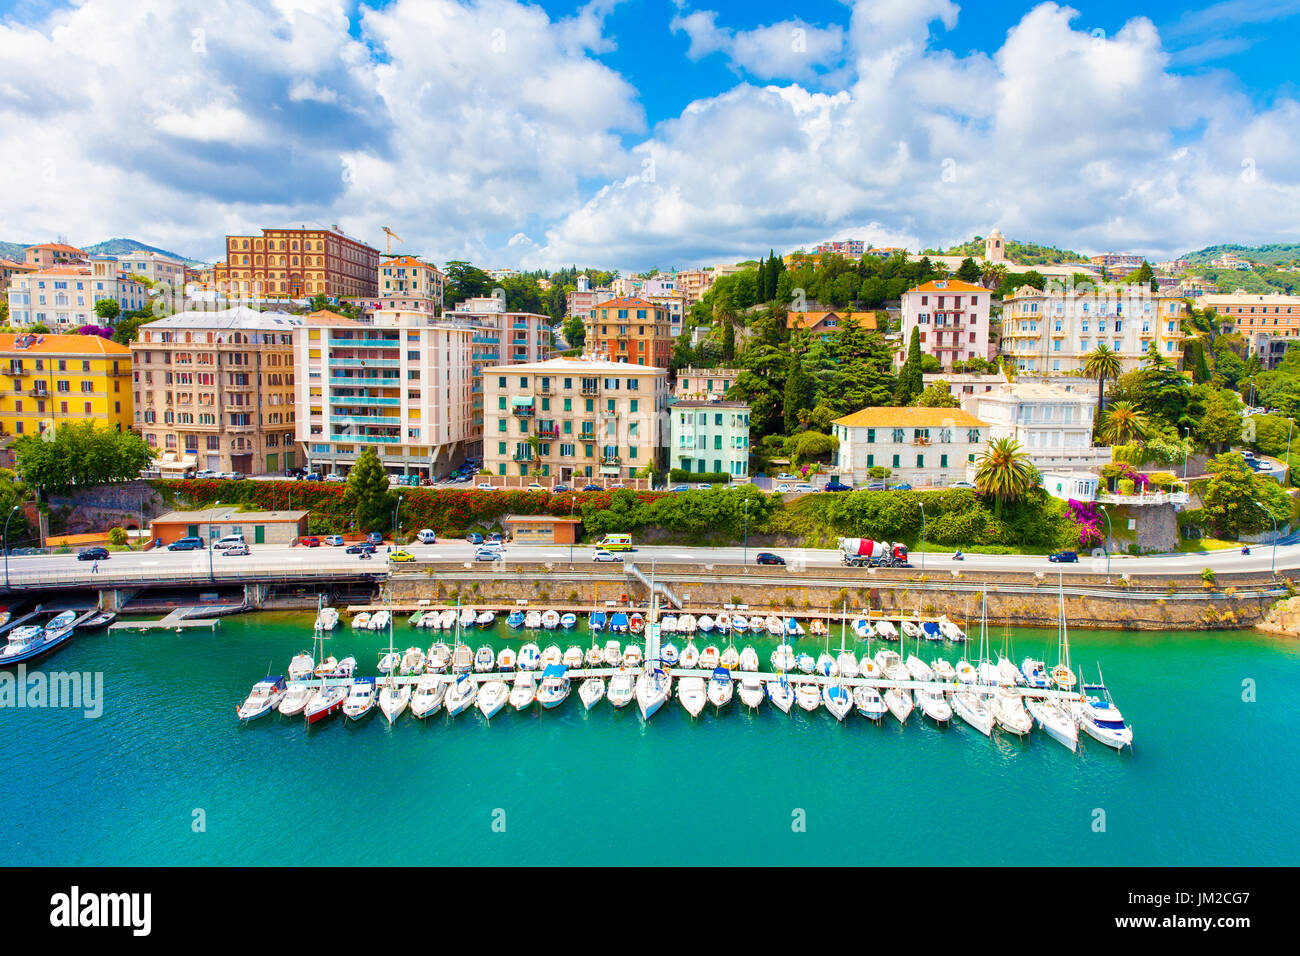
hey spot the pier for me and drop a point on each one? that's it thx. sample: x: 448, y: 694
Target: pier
x: 175, y: 621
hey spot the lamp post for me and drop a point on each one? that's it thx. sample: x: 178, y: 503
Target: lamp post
x: 212, y: 574
x: 397, y: 508
x: 745, y: 559
x: 922, y: 507
x: 6, y: 542
x: 1109, y: 534
x: 572, y: 531
x: 1187, y: 440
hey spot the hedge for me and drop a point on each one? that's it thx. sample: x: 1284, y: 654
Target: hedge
x: 700, y: 477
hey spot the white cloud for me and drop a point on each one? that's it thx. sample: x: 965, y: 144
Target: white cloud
x: 791, y: 49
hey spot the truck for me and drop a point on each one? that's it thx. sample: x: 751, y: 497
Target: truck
x: 867, y: 553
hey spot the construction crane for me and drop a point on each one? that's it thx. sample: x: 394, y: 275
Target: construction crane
x: 389, y: 236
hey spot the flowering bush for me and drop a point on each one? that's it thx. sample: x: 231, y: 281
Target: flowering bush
x: 1088, y: 519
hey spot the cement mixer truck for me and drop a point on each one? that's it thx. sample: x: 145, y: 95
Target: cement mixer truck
x: 866, y: 553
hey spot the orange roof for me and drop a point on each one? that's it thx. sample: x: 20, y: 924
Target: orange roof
x: 808, y: 320
x: 10, y: 264
x: 410, y: 261
x: 64, y: 271
x: 57, y: 247
x: 949, y: 285
x: 629, y: 302
x: 326, y: 317
x: 62, y: 345
x: 888, y: 416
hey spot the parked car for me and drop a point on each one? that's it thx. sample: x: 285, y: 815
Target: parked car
x: 680, y: 488
x: 229, y: 541
x: 617, y: 487
x: 1262, y: 464
x: 496, y: 536
x: 93, y: 554
x: 336, y: 478
x: 786, y: 476
x: 803, y: 486
x: 559, y: 489
x: 236, y: 551
x: 962, y: 484
x: 374, y: 538
x: 600, y: 554
x: 426, y: 536
x: 474, y: 538
x: 312, y: 542
x: 901, y: 486
x: 484, y: 486
x: 534, y: 486
x: 876, y: 486
x: 592, y: 488
x: 186, y: 544
x: 236, y: 476
x: 1064, y: 557
x: 360, y: 549
x: 836, y: 485
x: 782, y: 489
x: 334, y: 540
x: 401, y: 557
x: 488, y: 554
x: 767, y: 557
x: 312, y: 476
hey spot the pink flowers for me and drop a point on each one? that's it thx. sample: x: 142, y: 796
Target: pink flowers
x: 1088, y: 518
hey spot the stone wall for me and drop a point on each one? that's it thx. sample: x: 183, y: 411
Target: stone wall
x: 120, y: 504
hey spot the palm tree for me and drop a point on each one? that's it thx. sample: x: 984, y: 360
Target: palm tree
x: 1124, y: 424
x: 1103, y: 362
x: 1004, y: 471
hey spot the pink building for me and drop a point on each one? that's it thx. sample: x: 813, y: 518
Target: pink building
x: 953, y: 317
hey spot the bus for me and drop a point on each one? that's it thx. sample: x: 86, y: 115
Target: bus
x: 616, y: 542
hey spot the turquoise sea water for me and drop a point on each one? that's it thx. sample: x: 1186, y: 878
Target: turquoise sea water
x: 1210, y: 780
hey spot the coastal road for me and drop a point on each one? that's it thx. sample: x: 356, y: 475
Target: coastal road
x: 161, y: 565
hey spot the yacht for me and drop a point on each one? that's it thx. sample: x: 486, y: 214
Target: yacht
x: 530, y: 656
x: 438, y: 659
x: 1035, y: 674
x: 951, y: 631
x: 892, y: 665
x: 393, y: 698
x: 967, y: 705
x: 826, y: 665
x: 613, y: 653
x: 934, y: 705
x: 429, y: 692
x: 837, y: 700
x: 622, y: 688
x: 296, y: 697
x: 524, y: 691
x: 691, y: 656
x: 533, y: 620
x: 263, y: 698
x: 591, y: 691
x: 554, y: 687
x: 572, y: 657
x: 550, y: 619
x: 506, y: 659
x: 568, y: 620
x: 692, y: 694
x: 899, y: 703
x: 653, y: 687
x: 847, y: 664
x: 720, y: 688
x: 492, y: 696
x: 1100, y: 719
x: 1010, y: 714
x: 300, y: 667
x: 460, y: 695
x: 808, y: 695
x: 485, y: 659
x: 412, y: 662
x: 781, y: 694
x: 360, y: 698
x: 1056, y: 719
x: 327, y: 619
x: 751, y: 690
x: 918, y: 669
x: 325, y: 700
x: 749, y: 659
x: 869, y: 702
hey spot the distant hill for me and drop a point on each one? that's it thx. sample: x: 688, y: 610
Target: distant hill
x: 1274, y: 254
x: 18, y: 250
x: 1021, y: 253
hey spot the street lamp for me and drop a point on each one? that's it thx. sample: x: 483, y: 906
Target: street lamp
x: 212, y: 574
x: 922, y: 507
x: 6, y: 541
x: 396, y: 510
x: 1187, y: 440
x: 572, y: 531
x: 745, y: 558
x: 1109, y: 534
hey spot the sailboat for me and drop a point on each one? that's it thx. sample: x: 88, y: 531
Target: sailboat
x: 460, y: 696
x: 1061, y: 674
x: 327, y: 698
x: 847, y: 662
x: 653, y: 687
x: 837, y: 700
x: 492, y: 696
x: 590, y: 691
x: 751, y: 689
x: 966, y: 703
x: 781, y: 694
x: 394, y: 696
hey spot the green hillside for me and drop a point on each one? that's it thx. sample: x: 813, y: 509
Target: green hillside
x: 1021, y: 253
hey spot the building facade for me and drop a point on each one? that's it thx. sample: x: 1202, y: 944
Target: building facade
x: 64, y: 297
x: 216, y: 390
x: 298, y: 263
x: 584, y: 298
x: 1053, y: 426
x: 48, y: 255
x: 9, y: 268
x: 827, y: 322
x: 410, y: 284
x: 50, y: 380
x: 704, y: 383
x: 574, y: 420
x: 1052, y: 331
x: 709, y: 436
x: 157, y: 268
x: 925, y: 447
x: 634, y: 330
x: 400, y: 386
x: 953, y: 319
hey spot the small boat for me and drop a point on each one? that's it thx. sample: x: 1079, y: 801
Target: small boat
x: 595, y: 656
x: 934, y: 705
x: 491, y: 697
x: 781, y: 694
x: 591, y: 691
x: 817, y: 628
x: 467, y: 616
x: 669, y: 654
x: 530, y: 656
x: 263, y: 698
x: 1063, y: 677
x: 345, y: 668
x: 720, y: 687
x: 652, y: 688
x: 572, y: 657
x: 622, y: 688
x: 484, y: 659
x: 862, y: 629
x: 1056, y: 720
x: 899, y: 703
x: 1010, y: 714
x: 361, y: 622
x: 552, y: 656
x: 918, y: 668
x: 431, y: 620
x: 943, y: 669
x: 447, y: 619
x: 690, y: 656
x: 692, y: 694
x: 930, y: 631
x: 686, y: 624
x: 1100, y: 719
x: 988, y: 673
x: 730, y: 658
x: 554, y: 687
x: 967, y: 705
x: 636, y: 623
x: 301, y: 666
x: 847, y: 664
x: 751, y: 690
x: 412, y: 662
x: 869, y: 703
x: 1035, y: 674
x: 837, y: 700
x: 379, y: 620
x: 389, y: 661
x: 808, y: 695
x: 462, y: 659
x: 550, y: 619
x: 596, y: 620
x: 429, y: 692
x: 704, y: 623
x: 326, y: 667
x: 886, y: 631
x: 805, y: 662
x: 438, y: 659
x: 775, y: 626
x: 965, y: 672
x: 710, y: 657
x: 325, y: 700
x: 460, y: 695
x: 296, y: 697
x: 749, y: 659
x: 826, y: 665
x: 613, y: 653
x: 485, y: 619
x: 867, y: 667
x: 506, y: 659
x: 892, y: 665
x: 524, y: 691
x: 97, y: 622
x: 783, y: 658
x: 327, y: 619
x: 1009, y: 674
x: 668, y: 624
x: 515, y: 620
x: 360, y: 699
x: 632, y: 656
x: 911, y: 629
x: 393, y: 699
x: 533, y: 620
x: 739, y: 623
x: 414, y: 620
x: 723, y: 623
x: 793, y: 628
x: 618, y: 623
x: 568, y: 620
x: 951, y: 631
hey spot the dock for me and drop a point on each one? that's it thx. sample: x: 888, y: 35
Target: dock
x: 177, y: 620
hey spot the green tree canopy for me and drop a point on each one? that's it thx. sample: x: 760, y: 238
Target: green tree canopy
x: 368, y: 495
x: 80, y: 455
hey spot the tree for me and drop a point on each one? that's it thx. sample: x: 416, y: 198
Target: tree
x: 909, y: 385
x: 1102, y: 363
x: 809, y: 445
x: 108, y: 310
x: 937, y: 395
x: 466, y: 281
x: 728, y: 339
x: 968, y: 271
x: 80, y: 455
x: 797, y: 392
x: 367, y: 494
x: 1237, y: 501
x: 1004, y: 472
x: 575, y: 331
x: 1219, y: 424
x: 1124, y: 424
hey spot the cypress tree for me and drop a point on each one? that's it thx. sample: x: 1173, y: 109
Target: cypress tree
x: 760, y: 285
x: 728, y: 338
x: 796, y: 392
x: 368, y: 495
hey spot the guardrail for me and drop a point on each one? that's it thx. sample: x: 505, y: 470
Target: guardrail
x: 32, y: 581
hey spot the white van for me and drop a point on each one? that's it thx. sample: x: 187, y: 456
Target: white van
x: 229, y: 541
x: 426, y: 536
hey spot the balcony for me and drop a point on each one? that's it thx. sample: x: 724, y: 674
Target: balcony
x: 611, y: 459
x: 548, y: 433
x: 590, y: 390
x: 370, y: 439
x: 364, y: 363
x: 390, y: 420
x: 524, y: 411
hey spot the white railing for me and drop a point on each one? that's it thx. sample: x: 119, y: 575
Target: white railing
x: 1149, y: 498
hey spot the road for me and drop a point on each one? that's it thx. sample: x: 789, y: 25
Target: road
x: 162, y: 564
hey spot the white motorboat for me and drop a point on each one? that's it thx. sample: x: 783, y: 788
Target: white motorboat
x: 530, y: 657
x: 967, y: 705
x: 389, y: 662
x: 669, y: 654
x: 552, y: 656
x: 808, y: 695
x: 344, y: 668
x: 485, y: 659
x: 568, y: 620
x: 899, y: 703
x: 467, y: 617
x: 1056, y: 719
x: 704, y: 623
x: 862, y: 629
x: 632, y: 656
x: 739, y: 623
x: 595, y: 656
x: 301, y: 666
x: 943, y: 669
x: 775, y: 626
x: 263, y: 698
x: 966, y: 672
x: 781, y: 694
x: 885, y: 630
x: 506, y: 659
x: 918, y: 669
x: 622, y: 688
x: 296, y: 697
x: 393, y: 698
x: 554, y: 687
x: 491, y: 697
x: 485, y: 619
x: 1100, y: 719
x: 723, y: 623
x: 653, y: 687
x: 572, y: 657
x: 550, y: 619
x: 867, y: 667
x: 613, y: 653
x: 826, y: 665
x: 749, y: 659
x: 447, y: 619
x: 379, y: 620
x: 460, y: 695
x: 783, y: 659
x: 412, y: 661
x: 951, y: 631
x: 692, y: 694
x: 751, y: 690
x: 911, y: 629
x: 432, y: 620
x: 462, y: 659
x: 805, y: 662
x: 817, y: 628
x: 837, y: 700
x: 730, y: 658
x: 1035, y: 674
x: 691, y: 656
x: 427, y: 698
x: 590, y: 691
x: 668, y: 624
x: 794, y: 629
x: 892, y: 665
x: 438, y: 659
x: 524, y: 691
x: 1010, y: 714
x: 720, y: 687
x: 416, y: 619
x: 710, y: 657
x: 533, y: 620
x: 361, y: 622
x: 686, y: 624
x: 327, y: 619
x: 325, y: 700
x: 1009, y: 674
x: 326, y: 667
x: 934, y: 705
x: 869, y: 703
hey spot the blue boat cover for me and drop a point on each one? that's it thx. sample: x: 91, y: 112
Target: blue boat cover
x: 721, y: 673
x: 554, y: 670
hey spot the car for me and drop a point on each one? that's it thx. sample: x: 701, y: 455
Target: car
x: 186, y: 544
x: 495, y: 537
x: 534, y: 486
x: 901, y: 486
x: 786, y: 476
x: 236, y: 551
x: 312, y: 542
x: 474, y: 538
x: 401, y: 557
x: 1248, y: 455
x: 680, y: 488
x: 484, y: 486
x: 1263, y: 465
x: 876, y: 486
x: 1064, y: 557
x: 426, y: 536
x: 338, y: 479
x: 767, y: 557
x: 374, y: 538
x: 365, y: 548
x: 229, y: 541
x: 93, y: 554
x: 236, y: 476
x: 617, y: 487
x: 559, y: 489
x: 312, y: 476
x: 488, y: 554
x: 782, y: 489
x: 600, y: 554
x: 836, y: 485
x: 334, y: 540
x: 962, y: 484
x: 803, y: 486
x: 592, y: 488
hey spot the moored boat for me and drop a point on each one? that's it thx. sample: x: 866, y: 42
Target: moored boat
x: 360, y: 698
x: 427, y: 698
x: 590, y: 691
x: 837, y: 700
x: 263, y: 698
x: 692, y: 694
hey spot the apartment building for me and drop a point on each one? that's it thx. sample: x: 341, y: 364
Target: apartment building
x: 632, y: 330
x: 853, y: 248
x: 63, y: 297
x: 827, y: 322
x: 154, y: 266
x: 50, y: 380
x: 925, y: 447
x: 584, y: 298
x: 297, y: 263
x: 704, y: 383
x: 410, y: 284
x: 709, y: 436
x: 574, y: 420
x: 1053, y: 331
x: 216, y: 390
x: 1053, y: 426
x: 400, y: 385
x: 9, y: 268
x: 1117, y: 264
x: 48, y: 255
x: 953, y: 319
x: 1231, y: 261
x: 1251, y: 313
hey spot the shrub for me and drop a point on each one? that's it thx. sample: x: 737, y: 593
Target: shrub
x: 701, y: 477
x: 117, y: 537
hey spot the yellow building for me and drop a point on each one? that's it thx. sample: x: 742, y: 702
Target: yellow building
x: 49, y: 380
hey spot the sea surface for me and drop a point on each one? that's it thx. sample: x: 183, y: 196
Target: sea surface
x: 168, y: 776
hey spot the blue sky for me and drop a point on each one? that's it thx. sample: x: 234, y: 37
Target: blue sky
x: 651, y: 132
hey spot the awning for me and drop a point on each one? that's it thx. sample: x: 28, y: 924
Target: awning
x: 520, y: 401
x: 184, y: 463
